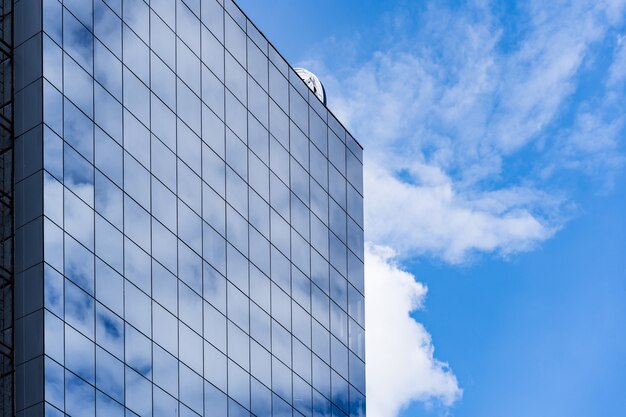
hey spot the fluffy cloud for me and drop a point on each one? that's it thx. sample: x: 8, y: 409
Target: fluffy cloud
x: 400, y: 355
x: 463, y: 134
x: 430, y: 216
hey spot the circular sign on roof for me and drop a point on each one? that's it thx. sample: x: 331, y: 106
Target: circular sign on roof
x: 312, y: 82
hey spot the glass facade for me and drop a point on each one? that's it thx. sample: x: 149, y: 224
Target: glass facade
x: 192, y: 232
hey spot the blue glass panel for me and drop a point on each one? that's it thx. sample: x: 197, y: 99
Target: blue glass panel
x: 238, y: 384
x: 165, y: 372
x: 136, y: 139
x: 108, y: 70
x: 357, y: 403
x: 136, y: 96
x: 79, y: 309
x: 301, y: 324
x: 258, y: 105
x: 137, y: 223
x: 81, y: 9
x: 215, y: 327
x: 320, y: 307
x: 105, y: 406
x: 355, y: 272
x: 339, y: 357
x: 281, y: 271
x: 237, y: 192
x: 109, y: 331
x: 166, y: 332
x: 238, y: 346
x: 190, y: 311
x: 108, y: 27
x: 321, y: 377
x: 77, y: 40
x: 78, y: 130
x: 215, y: 367
x: 53, y: 199
x: 54, y: 384
x: 189, y: 187
x: 238, y: 307
x: 302, y: 396
x: 190, y: 268
x: 261, y: 399
x: 356, y: 339
x: 259, y: 288
x: 260, y: 326
x: 321, y: 406
x: 137, y: 266
x: 188, y: 27
x: 53, y: 290
x: 215, y: 401
x: 236, y: 116
x: 213, y: 17
x: 165, y: 287
x: 53, y: 20
x: 214, y: 169
x: 136, y: 55
x: 260, y: 363
x: 338, y: 323
x: 237, y: 235
x: 109, y: 375
x: 189, y: 108
x: 80, y: 355
x: 279, y: 90
x: 357, y: 372
x: 166, y: 9
x: 214, y: 288
x: 109, y: 243
x: 80, y: 398
x: 281, y: 343
x: 136, y: 15
x: 280, y: 407
x: 53, y: 153
x: 301, y: 361
x: 213, y: 209
x: 164, y: 405
x: 108, y: 157
x: 137, y: 309
x: 339, y: 392
x: 281, y: 379
x: 109, y: 287
x: 138, y: 393
x: 164, y: 245
x: 162, y: 40
x: 79, y: 264
x: 138, y: 351
x: 190, y: 348
x: 338, y: 289
x: 259, y: 250
x: 214, y: 248
x: 53, y: 338
x: 52, y: 62
x: 259, y: 215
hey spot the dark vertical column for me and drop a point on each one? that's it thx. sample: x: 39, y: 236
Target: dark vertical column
x: 28, y: 208
x: 6, y: 210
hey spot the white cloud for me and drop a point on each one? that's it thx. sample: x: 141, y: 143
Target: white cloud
x: 444, y: 112
x: 401, y: 367
x: 433, y: 217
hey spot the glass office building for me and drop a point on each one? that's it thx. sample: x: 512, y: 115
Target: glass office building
x: 183, y: 227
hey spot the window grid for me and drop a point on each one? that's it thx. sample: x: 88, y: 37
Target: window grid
x: 334, y: 394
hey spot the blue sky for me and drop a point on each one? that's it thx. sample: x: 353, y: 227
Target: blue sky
x: 495, y: 192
